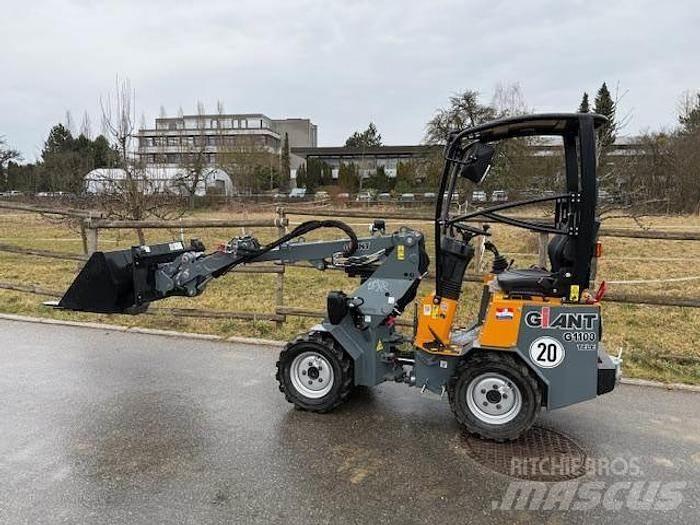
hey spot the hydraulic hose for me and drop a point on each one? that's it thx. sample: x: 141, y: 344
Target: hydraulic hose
x: 302, y: 229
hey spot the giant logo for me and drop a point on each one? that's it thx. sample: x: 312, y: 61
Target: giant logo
x: 562, y: 321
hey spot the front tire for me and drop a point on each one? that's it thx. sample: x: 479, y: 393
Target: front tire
x: 495, y: 396
x: 314, y: 373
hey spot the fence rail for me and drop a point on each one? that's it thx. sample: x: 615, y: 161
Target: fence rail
x: 92, y: 222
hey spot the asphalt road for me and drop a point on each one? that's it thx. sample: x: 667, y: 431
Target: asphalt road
x: 102, y: 427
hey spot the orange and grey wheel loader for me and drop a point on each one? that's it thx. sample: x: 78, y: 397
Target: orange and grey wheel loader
x: 535, y: 343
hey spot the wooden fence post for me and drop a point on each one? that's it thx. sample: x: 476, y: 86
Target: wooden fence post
x: 282, y: 222
x: 90, y: 237
x: 83, y: 236
x: 542, y: 245
x: 479, y: 253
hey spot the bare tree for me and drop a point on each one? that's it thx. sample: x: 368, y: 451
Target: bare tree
x: 131, y: 194
x: 509, y: 100
x: 195, y: 167
x: 69, y: 121
x: 246, y: 159
x: 7, y: 154
x: 464, y: 111
x: 86, y: 126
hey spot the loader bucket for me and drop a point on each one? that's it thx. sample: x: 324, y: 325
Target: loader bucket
x: 121, y: 281
x: 104, y: 285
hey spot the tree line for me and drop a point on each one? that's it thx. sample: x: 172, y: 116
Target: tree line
x: 64, y: 162
x: 660, y: 175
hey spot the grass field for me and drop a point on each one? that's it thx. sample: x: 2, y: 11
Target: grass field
x: 657, y: 342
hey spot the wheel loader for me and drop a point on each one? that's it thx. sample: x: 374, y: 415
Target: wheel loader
x: 536, y: 342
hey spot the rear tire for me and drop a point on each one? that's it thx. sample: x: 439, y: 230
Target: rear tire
x: 314, y: 373
x: 494, y: 395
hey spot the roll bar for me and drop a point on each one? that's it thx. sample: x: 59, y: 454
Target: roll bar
x: 575, y: 210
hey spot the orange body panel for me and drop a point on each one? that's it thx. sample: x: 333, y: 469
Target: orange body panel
x: 434, y: 321
x: 502, y: 324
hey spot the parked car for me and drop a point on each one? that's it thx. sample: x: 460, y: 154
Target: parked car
x: 479, y: 196
x: 499, y: 196
x: 297, y: 193
x: 384, y: 197
x: 429, y: 196
x: 13, y: 193
x: 343, y: 196
x: 407, y: 197
x: 321, y: 195
x: 280, y: 196
x: 364, y: 196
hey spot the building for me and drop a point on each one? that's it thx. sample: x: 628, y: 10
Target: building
x: 160, y: 179
x: 367, y: 159
x: 174, y: 140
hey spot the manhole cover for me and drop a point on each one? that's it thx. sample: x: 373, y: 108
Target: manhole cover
x: 539, y: 455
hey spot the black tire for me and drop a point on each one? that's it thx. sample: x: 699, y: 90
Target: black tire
x: 501, y: 365
x: 328, y: 349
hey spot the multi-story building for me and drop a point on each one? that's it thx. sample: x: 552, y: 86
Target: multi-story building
x: 175, y: 139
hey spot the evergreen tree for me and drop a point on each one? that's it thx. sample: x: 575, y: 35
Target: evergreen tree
x: 584, y: 107
x: 605, y: 105
x: 301, y: 177
x: 314, y: 174
x: 365, y: 139
x: 380, y: 181
x: 349, y: 177
x: 285, y: 163
x: 60, y: 140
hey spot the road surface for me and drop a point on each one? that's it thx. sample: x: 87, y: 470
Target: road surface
x: 102, y: 427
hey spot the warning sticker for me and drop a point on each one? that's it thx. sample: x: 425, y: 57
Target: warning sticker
x: 504, y: 314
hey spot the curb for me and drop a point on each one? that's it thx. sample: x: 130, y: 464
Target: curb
x: 139, y: 330
x: 263, y: 342
x: 658, y: 384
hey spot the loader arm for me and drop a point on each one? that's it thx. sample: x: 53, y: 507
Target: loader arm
x: 126, y: 281
x: 189, y: 273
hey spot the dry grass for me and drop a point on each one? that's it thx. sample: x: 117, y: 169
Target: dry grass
x: 657, y: 342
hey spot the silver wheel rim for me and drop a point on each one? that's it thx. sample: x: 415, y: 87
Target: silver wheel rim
x: 311, y: 374
x: 493, y: 398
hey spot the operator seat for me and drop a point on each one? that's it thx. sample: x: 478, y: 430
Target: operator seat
x: 540, y: 281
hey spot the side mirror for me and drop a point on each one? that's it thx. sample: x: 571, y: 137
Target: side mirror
x: 477, y: 161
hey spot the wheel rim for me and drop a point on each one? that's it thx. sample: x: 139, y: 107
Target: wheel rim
x: 493, y: 398
x: 311, y: 374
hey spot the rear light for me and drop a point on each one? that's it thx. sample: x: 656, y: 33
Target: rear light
x: 598, y: 251
x: 602, y: 290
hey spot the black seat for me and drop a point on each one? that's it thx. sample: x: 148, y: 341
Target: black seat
x: 540, y: 281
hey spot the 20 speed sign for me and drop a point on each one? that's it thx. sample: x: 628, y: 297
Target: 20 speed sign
x: 546, y: 352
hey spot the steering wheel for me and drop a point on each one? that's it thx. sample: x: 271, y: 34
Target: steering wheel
x: 471, y: 229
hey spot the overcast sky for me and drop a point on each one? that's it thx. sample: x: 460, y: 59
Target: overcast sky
x: 340, y: 63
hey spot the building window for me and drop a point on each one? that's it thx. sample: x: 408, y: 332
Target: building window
x: 173, y: 141
x: 173, y: 158
x: 211, y: 141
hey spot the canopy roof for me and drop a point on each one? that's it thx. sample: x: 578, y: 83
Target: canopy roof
x: 529, y: 125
